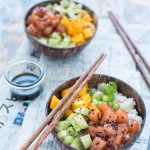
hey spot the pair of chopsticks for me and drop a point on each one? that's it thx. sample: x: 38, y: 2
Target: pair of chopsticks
x: 57, y: 113
x: 129, y: 43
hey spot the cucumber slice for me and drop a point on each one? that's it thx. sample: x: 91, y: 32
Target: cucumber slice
x: 76, y: 144
x: 86, y: 141
x: 71, y: 131
x: 81, y: 121
x: 69, y: 139
x: 83, y: 111
x: 62, y: 134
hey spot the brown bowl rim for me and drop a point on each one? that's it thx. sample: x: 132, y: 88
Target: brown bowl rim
x: 57, y: 1
x: 124, y: 147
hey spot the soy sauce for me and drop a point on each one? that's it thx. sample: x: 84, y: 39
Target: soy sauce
x: 26, y: 80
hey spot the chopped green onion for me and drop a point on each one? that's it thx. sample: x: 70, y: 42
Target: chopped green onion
x: 115, y: 105
x: 106, y: 98
x: 97, y: 95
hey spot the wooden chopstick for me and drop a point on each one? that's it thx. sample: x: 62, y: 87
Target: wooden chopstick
x: 65, y: 98
x: 128, y: 44
x: 60, y: 113
x: 147, y: 65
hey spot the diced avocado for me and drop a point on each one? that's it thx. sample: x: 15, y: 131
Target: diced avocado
x: 97, y: 95
x: 69, y: 139
x: 59, y: 9
x: 81, y: 121
x: 62, y: 134
x: 57, y: 129
x: 56, y: 35
x: 86, y: 141
x: 82, y: 133
x: 62, y: 125
x: 85, y: 117
x: 76, y: 144
x: 83, y: 111
x: 49, y: 6
x: 79, y: 6
x: 71, y: 131
x: 53, y: 42
x: 65, y: 3
x: 73, y: 122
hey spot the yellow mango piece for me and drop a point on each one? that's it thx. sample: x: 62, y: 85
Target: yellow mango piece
x: 71, y: 31
x: 86, y: 17
x: 88, y: 33
x: 92, y: 106
x: 68, y: 112
x: 89, y: 25
x: 78, y: 39
x: 65, y: 21
x: 54, y: 102
x: 64, y: 92
x: 87, y: 99
x: 83, y: 91
x: 78, y: 103
x: 77, y: 26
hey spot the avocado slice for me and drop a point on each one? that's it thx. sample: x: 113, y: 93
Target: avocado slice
x: 73, y: 122
x: 71, y: 131
x: 81, y: 121
x: 62, y: 134
x: 86, y: 141
x: 76, y: 144
x: 69, y: 139
x: 62, y: 125
x: 83, y: 111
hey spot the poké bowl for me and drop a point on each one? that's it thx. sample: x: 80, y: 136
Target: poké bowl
x: 46, y: 43
x: 96, y: 79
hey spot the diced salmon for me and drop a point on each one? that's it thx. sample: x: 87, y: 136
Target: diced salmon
x: 94, y: 115
x: 109, y: 116
x: 128, y: 137
x: 121, y: 116
x: 92, y: 123
x: 109, y: 129
x: 119, y: 139
x: 123, y: 128
x: 104, y: 107
x: 98, y: 144
x: 92, y: 131
x: 100, y: 132
x: 133, y: 126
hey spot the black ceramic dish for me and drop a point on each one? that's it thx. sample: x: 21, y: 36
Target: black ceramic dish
x: 53, y: 51
x: 124, y: 88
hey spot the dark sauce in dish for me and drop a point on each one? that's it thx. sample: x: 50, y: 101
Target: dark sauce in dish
x: 26, y: 80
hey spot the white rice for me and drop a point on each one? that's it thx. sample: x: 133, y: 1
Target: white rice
x: 128, y: 105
